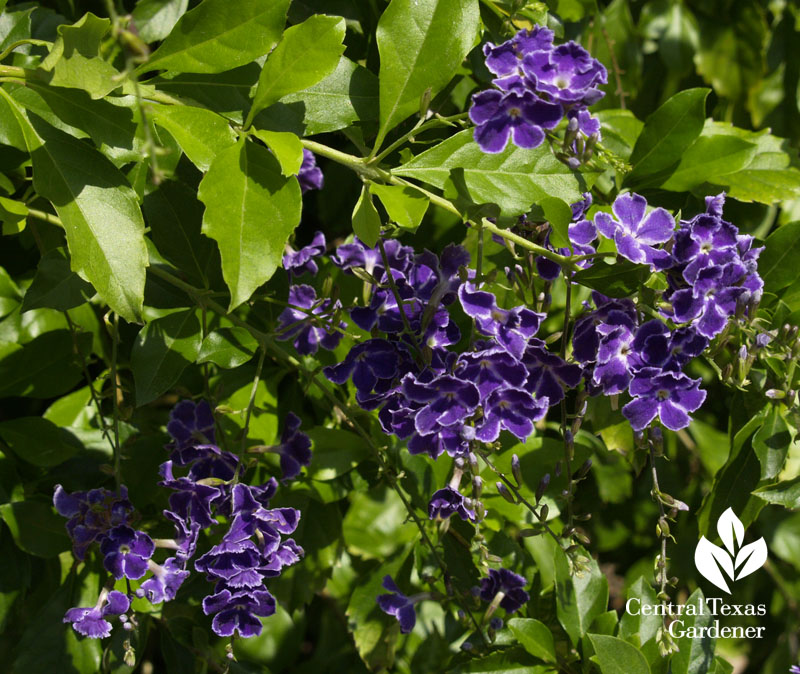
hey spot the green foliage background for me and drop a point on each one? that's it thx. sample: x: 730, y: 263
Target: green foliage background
x: 140, y: 205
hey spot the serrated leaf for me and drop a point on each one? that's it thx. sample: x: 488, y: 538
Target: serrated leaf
x: 616, y: 656
x: 162, y: 350
x: 228, y: 347
x: 421, y: 44
x: 348, y: 94
x: 286, y: 147
x: 775, y: 264
x: 251, y: 210
x: 404, y: 205
x: 535, y: 637
x: 366, y: 221
x: 513, y: 179
x: 39, y: 441
x: 154, y: 19
x: 202, y: 134
x: 55, y: 285
x: 99, y: 210
x: 218, y: 35
x: 667, y: 134
x: 74, y: 60
x: 306, y: 54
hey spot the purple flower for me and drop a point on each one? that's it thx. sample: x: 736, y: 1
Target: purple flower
x: 448, y: 501
x: 164, y: 583
x: 490, y: 369
x: 616, y: 356
x: 670, y: 396
x: 367, y: 363
x: 397, y: 605
x: 297, y: 262
x: 548, y: 374
x: 512, y: 409
x: 191, y: 501
x: 505, y: 59
x: 446, y: 401
x: 518, y: 114
x: 310, y: 176
x: 507, y: 582
x: 239, y: 611
x: 634, y: 234
x: 711, y: 300
x: 302, y: 325
x: 567, y: 74
x: 794, y: 669
x: 91, y: 622
x: 126, y: 552
x: 295, y: 448
x: 659, y: 347
x: 189, y: 424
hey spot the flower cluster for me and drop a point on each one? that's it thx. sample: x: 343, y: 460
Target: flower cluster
x: 253, y: 548
x: 537, y: 83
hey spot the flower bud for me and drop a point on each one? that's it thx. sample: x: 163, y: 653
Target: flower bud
x: 543, y: 483
x: 516, y: 469
x: 503, y: 491
x: 477, y: 487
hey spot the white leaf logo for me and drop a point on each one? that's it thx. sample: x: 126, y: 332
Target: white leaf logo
x: 711, y: 560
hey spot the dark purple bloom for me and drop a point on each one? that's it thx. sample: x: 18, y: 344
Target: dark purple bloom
x: 512, y: 409
x: 585, y: 338
x: 567, y: 74
x: 453, y: 440
x: 295, y: 448
x: 239, y: 611
x: 446, y: 401
x: 163, y: 585
x: 398, y: 605
x: 126, y: 552
x: 548, y: 374
x: 91, y: 622
x: 670, y: 396
x: 297, y: 262
x: 490, y: 369
x: 711, y: 300
x: 448, y: 501
x: 518, y: 114
x: 302, y: 318
x: 634, y: 234
x: 505, y: 59
x: 507, y: 582
x: 616, y: 356
x: 191, y: 501
x: 659, y: 347
x: 310, y: 176
x: 367, y: 363
x: 189, y: 424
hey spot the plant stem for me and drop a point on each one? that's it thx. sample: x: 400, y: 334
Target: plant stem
x: 114, y: 394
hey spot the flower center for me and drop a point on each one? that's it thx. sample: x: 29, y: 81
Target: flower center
x: 514, y: 112
x: 497, y: 315
x: 124, y: 549
x: 705, y: 248
x: 663, y: 394
x: 561, y: 82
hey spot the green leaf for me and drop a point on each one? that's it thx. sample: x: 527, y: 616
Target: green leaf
x: 14, y: 26
x: 405, y: 205
x: 710, y: 156
x: 621, y: 128
x: 10, y: 294
x: 175, y: 218
x: 36, y: 528
x: 616, y: 656
x: 306, y: 54
x: 695, y: 655
x: 513, y: 179
x: 335, y: 452
x: 45, y: 367
x: 228, y: 347
x: 13, y: 215
x: 579, y: 598
x: 55, y: 285
x: 421, y: 45
x: 366, y: 221
x: 776, y: 262
x: 154, y: 19
x: 667, y: 134
x: 559, y: 215
x: 219, y: 35
x: 286, y: 147
x: 535, y: 637
x: 74, y: 60
x: 348, y: 94
x: 786, y: 494
x: 202, y: 134
x: 39, y: 441
x: 375, y: 524
x: 771, y: 443
x: 619, y: 279
x: 508, y: 661
x: 101, y: 217
x: 162, y: 350
x: 251, y: 210
x: 639, y: 629
x: 11, y: 132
